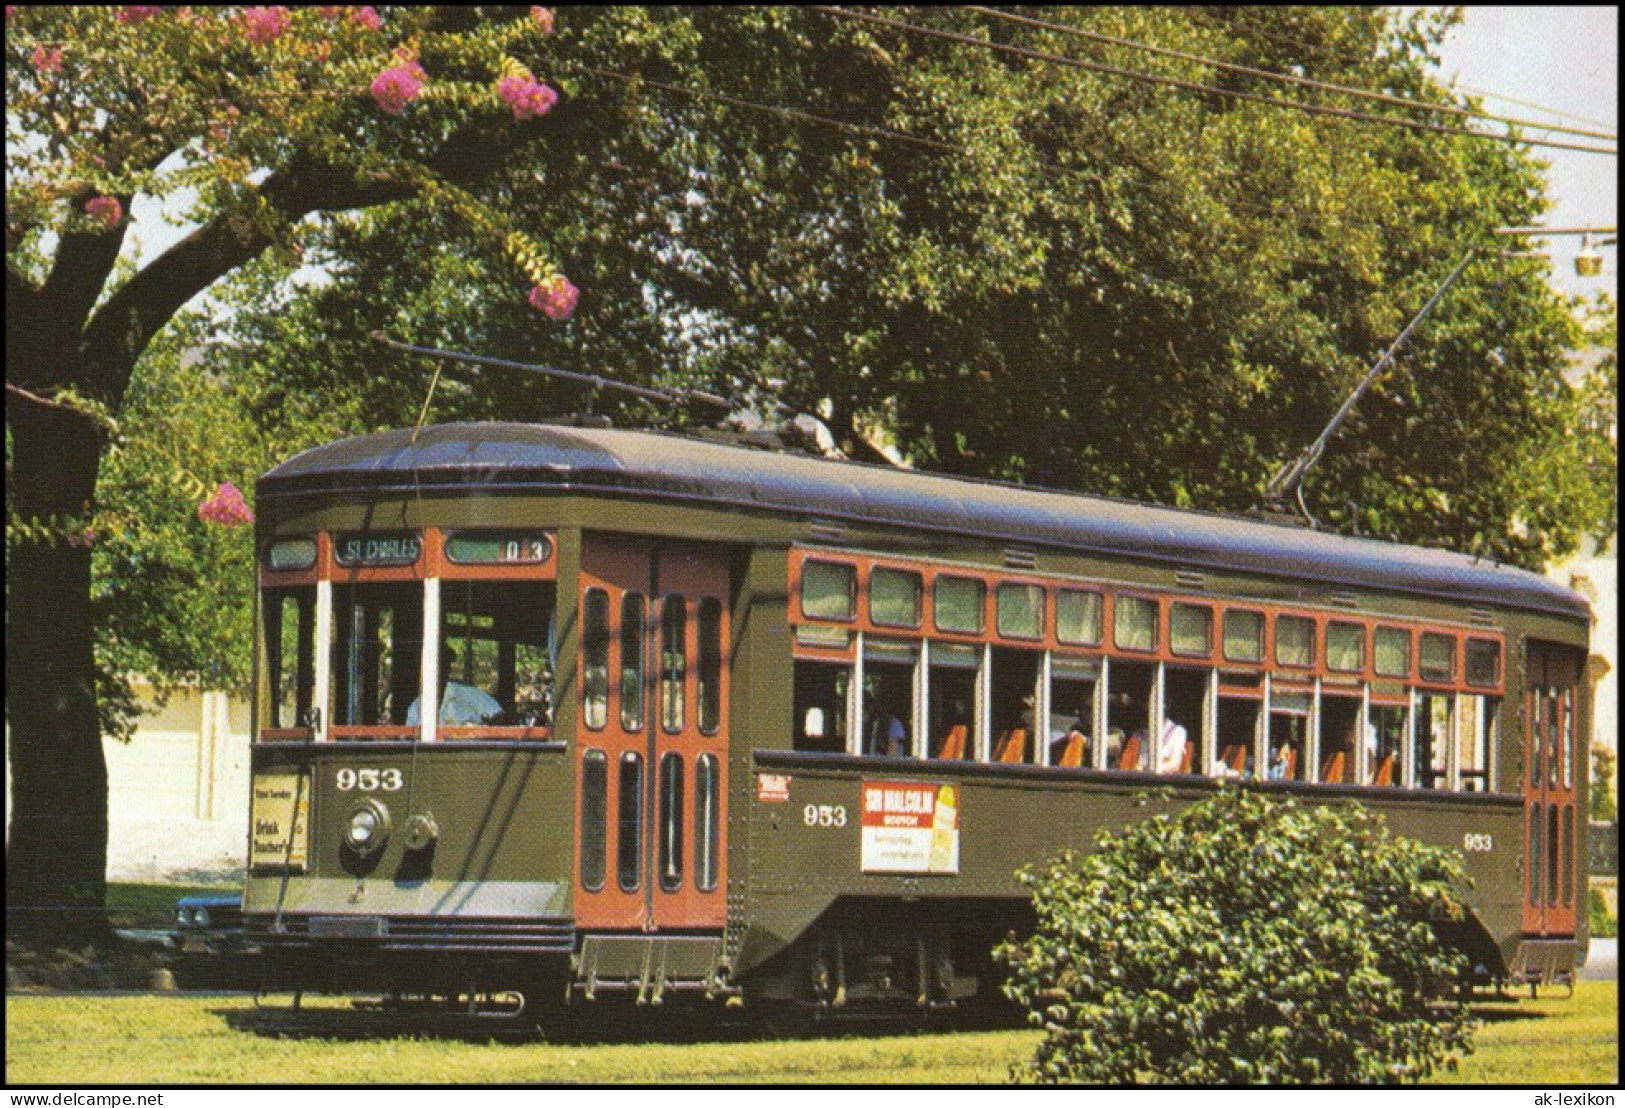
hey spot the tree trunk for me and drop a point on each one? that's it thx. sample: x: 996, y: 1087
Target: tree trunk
x: 56, y: 852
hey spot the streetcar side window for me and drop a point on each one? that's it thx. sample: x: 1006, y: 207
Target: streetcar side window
x: 1294, y: 641
x: 1074, y: 683
x: 1475, y: 740
x: 1434, y: 733
x: 671, y: 822
x: 1385, y: 743
x: 709, y: 693
x: 829, y: 590
x: 634, y: 617
x: 289, y: 659
x: 595, y: 659
x: 1014, y: 684
x: 673, y: 662
x: 954, y: 700
x: 707, y: 821
x: 629, y: 821
x: 594, y: 817
x: 820, y: 705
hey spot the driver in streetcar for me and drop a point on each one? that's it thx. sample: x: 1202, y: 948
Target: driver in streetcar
x: 460, y: 704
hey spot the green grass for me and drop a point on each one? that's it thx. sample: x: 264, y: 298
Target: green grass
x: 179, y: 1040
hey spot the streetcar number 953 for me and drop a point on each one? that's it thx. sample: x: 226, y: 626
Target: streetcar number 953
x: 824, y: 815
x: 1475, y: 843
x: 368, y: 780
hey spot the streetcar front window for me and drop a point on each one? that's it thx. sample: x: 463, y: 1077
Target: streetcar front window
x: 378, y: 649
x: 498, y: 638
x: 289, y: 616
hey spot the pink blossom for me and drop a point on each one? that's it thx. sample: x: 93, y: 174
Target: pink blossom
x: 132, y: 14
x: 528, y: 99
x: 367, y: 17
x: 543, y: 18
x: 555, y: 298
x: 11, y: 10
x: 329, y: 11
x: 85, y: 538
x: 398, y: 86
x: 226, y: 507
x: 105, y: 208
x: 263, y: 26
x: 47, y: 59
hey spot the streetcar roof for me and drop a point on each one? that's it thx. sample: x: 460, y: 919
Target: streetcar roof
x: 514, y: 457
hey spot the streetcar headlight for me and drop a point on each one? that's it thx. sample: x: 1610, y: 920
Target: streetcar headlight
x: 367, y: 829
x: 200, y: 917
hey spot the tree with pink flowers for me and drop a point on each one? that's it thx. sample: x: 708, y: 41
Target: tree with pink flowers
x: 251, y: 125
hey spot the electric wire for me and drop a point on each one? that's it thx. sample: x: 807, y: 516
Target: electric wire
x: 1287, y: 78
x: 874, y: 131
x: 1193, y: 86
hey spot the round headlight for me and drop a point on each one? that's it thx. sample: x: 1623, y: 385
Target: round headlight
x: 367, y: 829
x: 200, y: 916
x: 363, y: 826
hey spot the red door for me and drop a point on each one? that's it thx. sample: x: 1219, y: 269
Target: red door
x: 652, y: 735
x: 1550, y: 704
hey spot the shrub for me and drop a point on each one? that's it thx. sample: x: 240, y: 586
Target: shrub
x: 1604, y: 925
x: 1243, y: 940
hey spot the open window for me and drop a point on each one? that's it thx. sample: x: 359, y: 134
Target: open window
x: 1339, y: 738
x: 289, y: 643
x: 954, y: 699
x: 1288, y: 735
x: 821, y: 692
x: 497, y: 667
x: 888, y: 697
x: 1074, y: 685
x: 1015, y: 685
x: 378, y: 628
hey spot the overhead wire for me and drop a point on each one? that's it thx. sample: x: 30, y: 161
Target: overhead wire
x: 876, y: 131
x: 1194, y: 86
x: 1286, y: 78
x: 1201, y: 16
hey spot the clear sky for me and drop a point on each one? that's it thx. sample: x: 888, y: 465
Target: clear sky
x: 1565, y: 59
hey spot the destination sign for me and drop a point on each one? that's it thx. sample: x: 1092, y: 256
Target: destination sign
x: 291, y: 554
x: 522, y: 548
x: 377, y: 550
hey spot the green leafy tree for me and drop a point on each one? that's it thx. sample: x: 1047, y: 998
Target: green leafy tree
x: 1014, y: 269
x: 1603, y: 807
x: 253, y: 123
x: 1243, y: 941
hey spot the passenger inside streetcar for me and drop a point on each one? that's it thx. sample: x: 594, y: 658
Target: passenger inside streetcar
x: 460, y: 703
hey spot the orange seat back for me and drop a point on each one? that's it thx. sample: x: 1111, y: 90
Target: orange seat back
x: 1291, y: 759
x: 1012, y: 746
x: 1185, y: 758
x: 1331, y: 769
x: 954, y: 745
x: 1130, y: 758
x: 1075, y: 746
x: 1385, y: 772
x: 1235, y: 756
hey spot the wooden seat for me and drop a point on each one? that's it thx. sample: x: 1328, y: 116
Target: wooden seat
x: 1076, y: 744
x: 1234, y: 756
x: 1012, y: 746
x: 1185, y: 759
x: 1331, y: 767
x: 954, y: 745
x: 1130, y: 758
x: 1385, y: 772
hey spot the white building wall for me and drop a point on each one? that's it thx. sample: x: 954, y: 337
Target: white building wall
x: 177, y: 793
